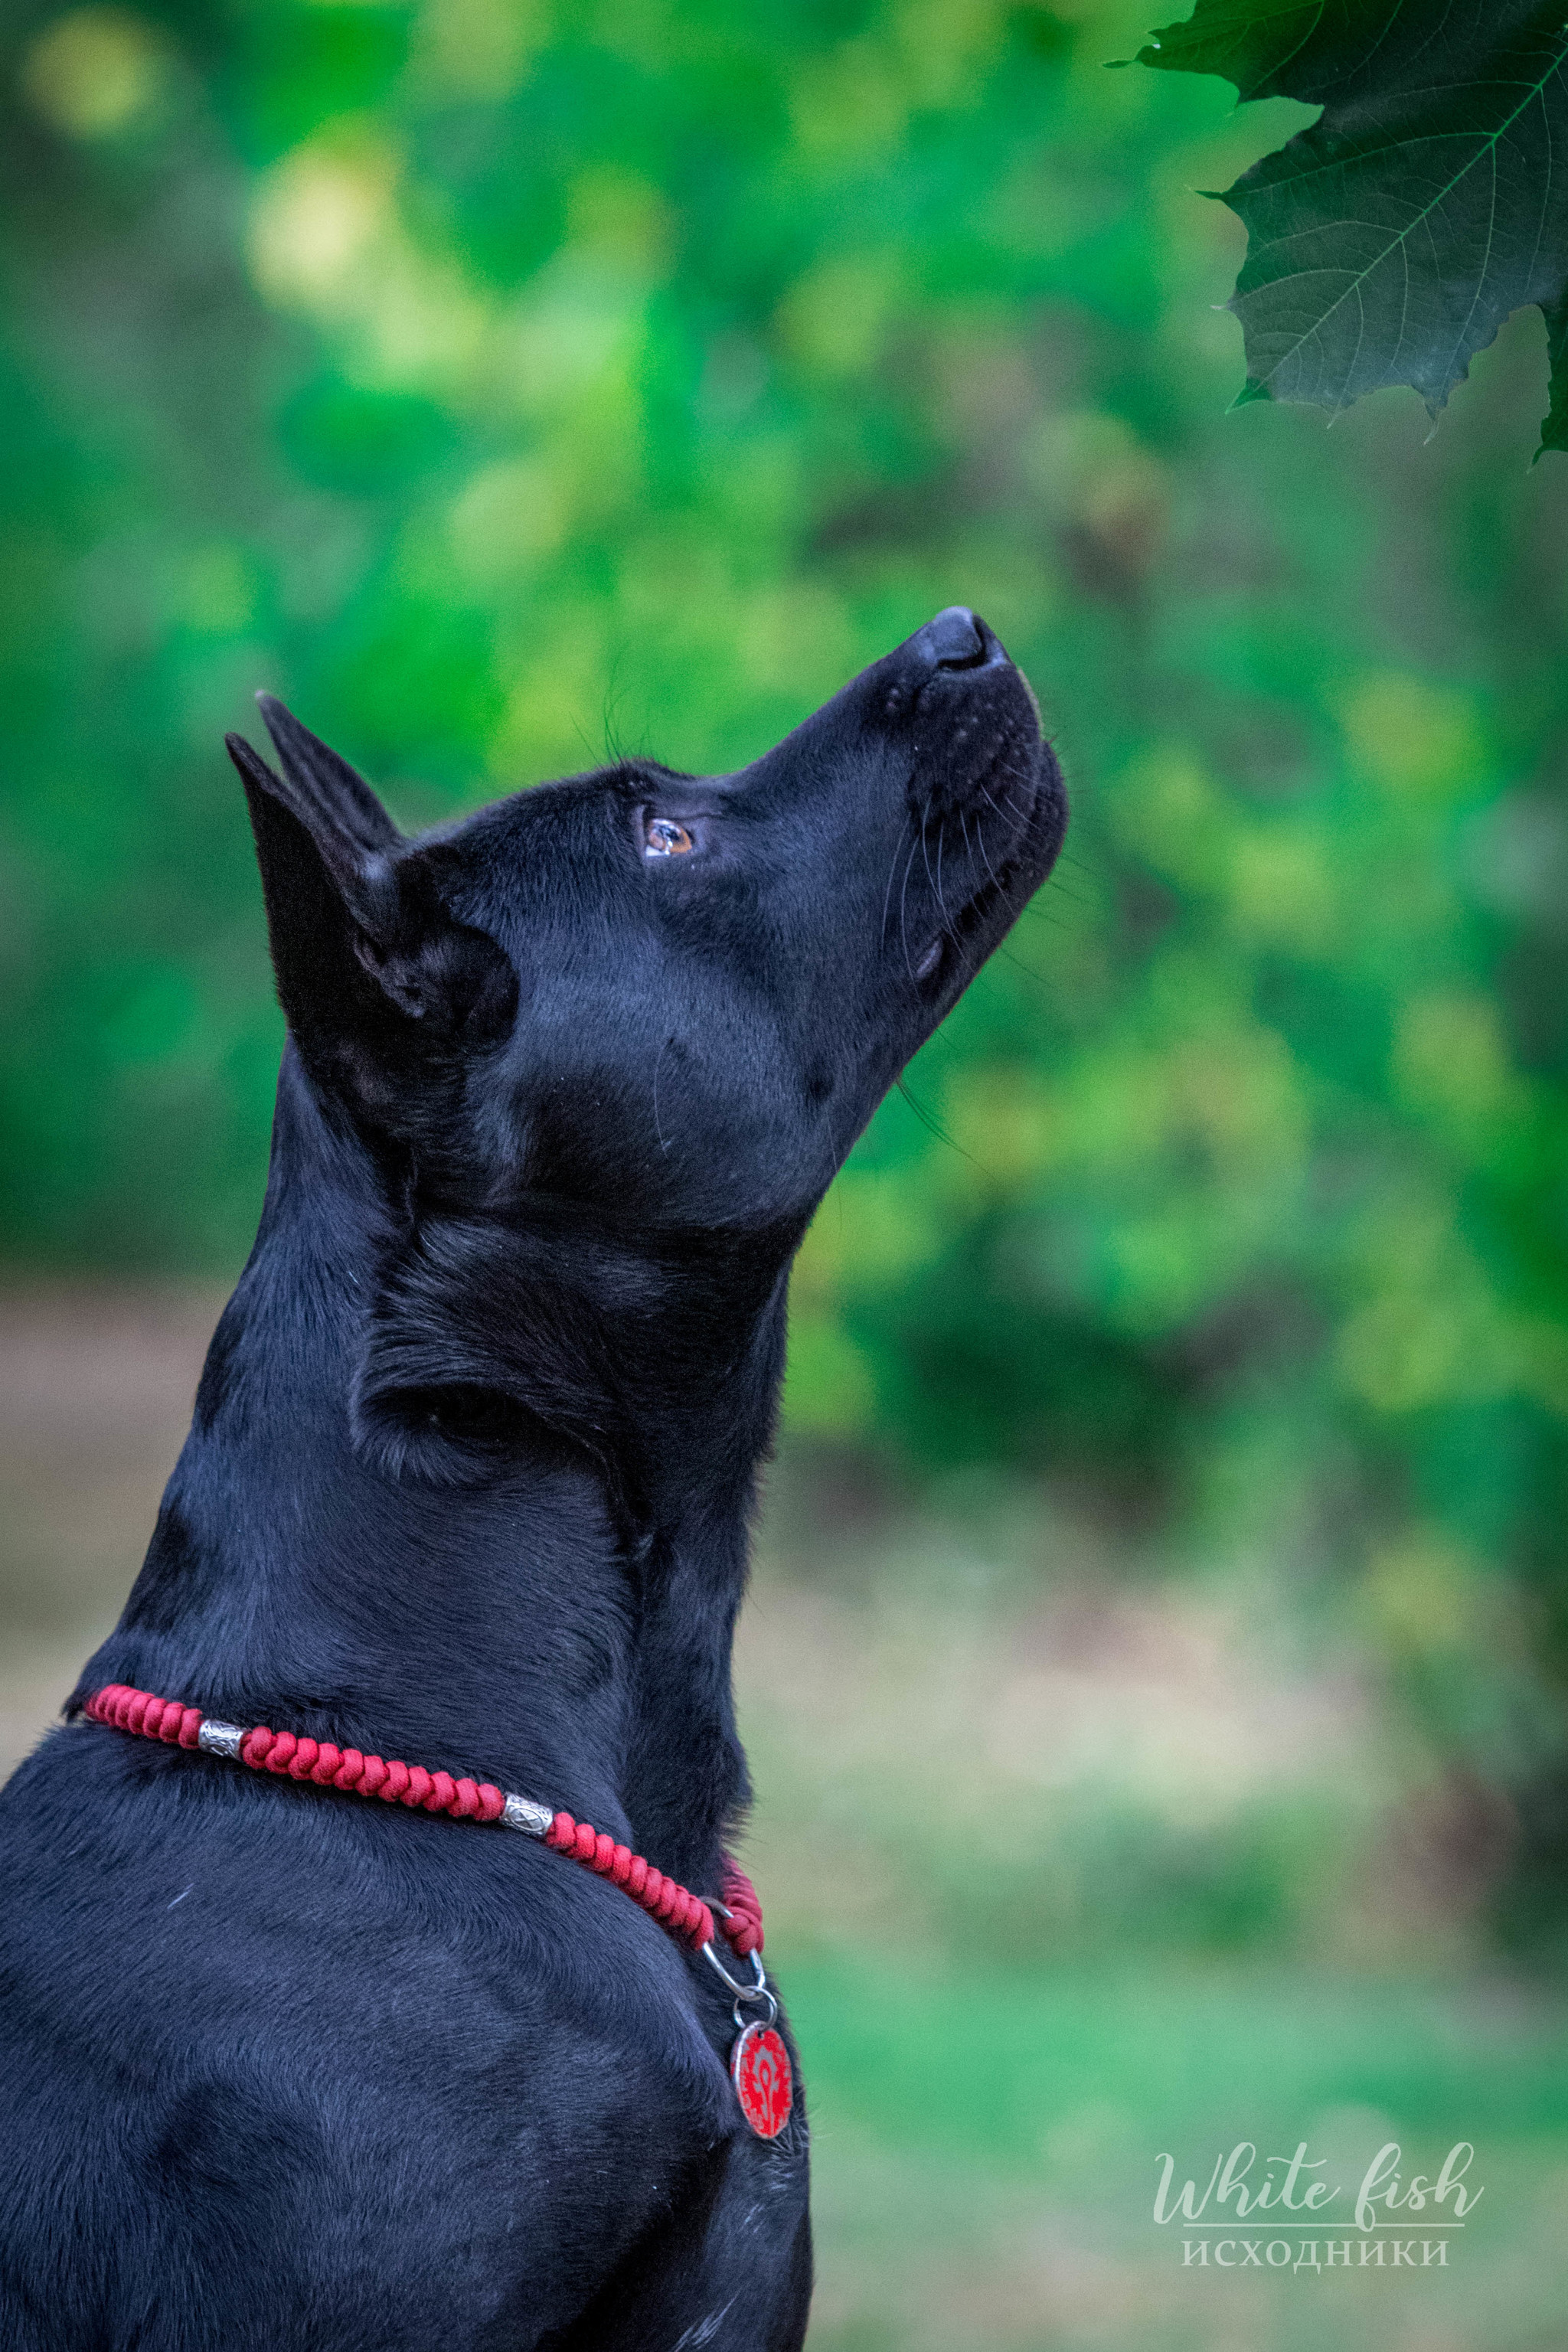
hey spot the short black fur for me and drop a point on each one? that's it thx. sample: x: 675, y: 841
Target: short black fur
x: 469, y: 1483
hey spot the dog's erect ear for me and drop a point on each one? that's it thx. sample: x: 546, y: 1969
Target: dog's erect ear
x: 334, y: 803
x: 359, y: 929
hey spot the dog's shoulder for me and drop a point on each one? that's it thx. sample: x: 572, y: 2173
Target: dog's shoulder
x: 253, y: 2018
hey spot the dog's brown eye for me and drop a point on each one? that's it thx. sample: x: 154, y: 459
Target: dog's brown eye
x: 662, y: 837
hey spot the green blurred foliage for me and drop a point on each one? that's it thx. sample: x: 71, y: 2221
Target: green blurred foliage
x: 498, y: 380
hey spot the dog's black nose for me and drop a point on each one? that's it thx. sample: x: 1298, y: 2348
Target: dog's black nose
x: 955, y: 639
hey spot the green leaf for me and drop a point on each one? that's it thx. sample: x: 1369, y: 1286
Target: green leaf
x: 1277, y: 48
x: 1388, y: 243
x: 1554, y: 426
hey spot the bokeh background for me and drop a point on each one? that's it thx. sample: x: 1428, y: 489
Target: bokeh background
x: 1157, y: 1675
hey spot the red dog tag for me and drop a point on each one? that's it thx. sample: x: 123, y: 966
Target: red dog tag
x: 760, y: 2065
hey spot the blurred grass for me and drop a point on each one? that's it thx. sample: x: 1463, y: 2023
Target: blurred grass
x: 1066, y: 1870
x: 985, y: 2153
x: 968, y: 1772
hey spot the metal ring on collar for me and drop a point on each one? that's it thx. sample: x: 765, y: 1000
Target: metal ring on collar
x: 756, y: 1991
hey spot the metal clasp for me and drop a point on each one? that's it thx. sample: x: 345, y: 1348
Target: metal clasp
x: 757, y: 1991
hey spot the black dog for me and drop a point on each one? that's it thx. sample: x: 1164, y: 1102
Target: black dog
x: 469, y: 1483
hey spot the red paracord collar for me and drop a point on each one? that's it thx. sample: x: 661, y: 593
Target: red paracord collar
x: 671, y: 1904
x: 759, y: 2061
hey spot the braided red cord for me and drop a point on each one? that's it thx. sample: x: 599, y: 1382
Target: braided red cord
x: 745, y: 1925
x: 370, y: 1775
x: 662, y: 1898
x: 673, y: 1905
x: 136, y: 1710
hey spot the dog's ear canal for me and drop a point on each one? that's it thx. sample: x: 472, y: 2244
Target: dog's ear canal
x: 360, y: 932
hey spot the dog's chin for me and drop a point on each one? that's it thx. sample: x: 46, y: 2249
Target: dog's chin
x: 1013, y: 871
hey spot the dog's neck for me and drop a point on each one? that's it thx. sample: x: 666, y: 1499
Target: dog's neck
x: 562, y: 1621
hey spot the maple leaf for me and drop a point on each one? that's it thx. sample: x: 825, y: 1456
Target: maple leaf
x: 1388, y: 243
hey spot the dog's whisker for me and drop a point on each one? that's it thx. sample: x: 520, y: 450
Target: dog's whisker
x: 934, y: 879
x: 1007, y: 806
x: 903, y: 909
x: 969, y: 854
x: 995, y: 804
x: 948, y: 924
x: 928, y: 1118
x: 962, y: 948
x: 1019, y: 775
x: 892, y: 869
x: 985, y: 855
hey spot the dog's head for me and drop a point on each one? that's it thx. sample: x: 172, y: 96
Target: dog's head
x: 662, y: 1001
